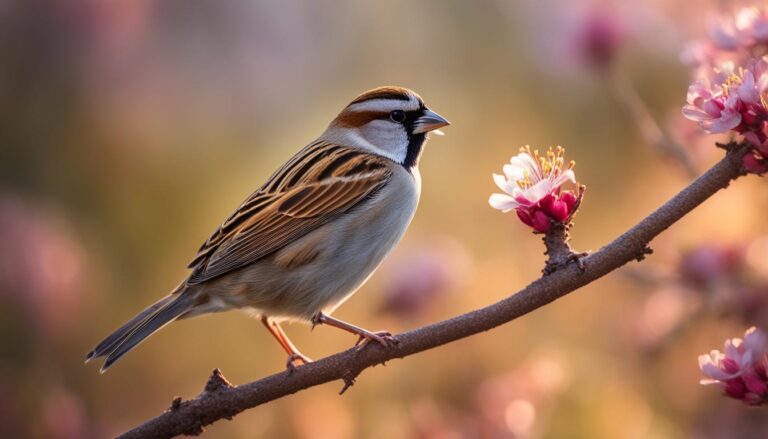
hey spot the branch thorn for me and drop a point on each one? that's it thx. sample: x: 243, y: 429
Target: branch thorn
x: 175, y: 404
x: 217, y: 382
x: 643, y: 253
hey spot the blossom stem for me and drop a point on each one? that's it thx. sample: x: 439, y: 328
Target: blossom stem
x: 558, y: 250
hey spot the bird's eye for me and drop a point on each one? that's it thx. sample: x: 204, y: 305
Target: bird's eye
x: 397, y: 116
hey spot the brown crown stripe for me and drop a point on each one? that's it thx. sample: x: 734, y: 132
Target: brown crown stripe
x: 387, y: 92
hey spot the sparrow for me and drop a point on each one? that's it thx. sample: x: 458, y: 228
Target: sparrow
x: 308, y: 238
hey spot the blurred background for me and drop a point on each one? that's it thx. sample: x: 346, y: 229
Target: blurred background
x: 130, y: 128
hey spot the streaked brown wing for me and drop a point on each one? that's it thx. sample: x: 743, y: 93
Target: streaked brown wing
x: 320, y: 182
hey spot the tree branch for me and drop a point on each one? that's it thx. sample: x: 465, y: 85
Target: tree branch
x: 220, y: 400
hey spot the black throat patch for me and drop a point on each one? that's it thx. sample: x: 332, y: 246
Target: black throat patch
x: 415, y: 146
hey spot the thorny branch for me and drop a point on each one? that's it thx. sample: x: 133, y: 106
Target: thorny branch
x: 221, y: 400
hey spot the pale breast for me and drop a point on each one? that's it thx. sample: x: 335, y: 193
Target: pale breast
x: 322, y: 269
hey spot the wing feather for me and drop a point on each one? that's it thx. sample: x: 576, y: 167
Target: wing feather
x: 323, y: 180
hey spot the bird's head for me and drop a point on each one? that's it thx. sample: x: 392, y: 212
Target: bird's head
x: 392, y: 122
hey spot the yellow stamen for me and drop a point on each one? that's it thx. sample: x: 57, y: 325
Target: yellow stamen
x: 733, y: 80
x: 552, y: 162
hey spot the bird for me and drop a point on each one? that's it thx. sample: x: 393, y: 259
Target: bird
x: 312, y: 234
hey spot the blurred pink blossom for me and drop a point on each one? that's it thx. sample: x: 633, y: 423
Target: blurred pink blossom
x: 723, y: 33
x: 587, y: 36
x: 41, y: 264
x: 63, y: 416
x: 598, y: 37
x: 736, y: 38
x: 662, y: 312
x: 741, y: 369
x: 744, y: 29
x: 510, y: 403
x: 711, y: 264
x: 429, y: 419
x: 419, y: 277
x: 532, y: 188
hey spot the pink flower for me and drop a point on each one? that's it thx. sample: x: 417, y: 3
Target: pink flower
x: 741, y: 369
x: 709, y: 265
x: 735, y: 100
x: 754, y: 163
x: 598, y: 37
x: 532, y: 188
x: 731, y: 100
x: 421, y: 276
x: 745, y: 29
x: 753, y: 25
x: 724, y: 33
x: 42, y: 265
x: 736, y: 38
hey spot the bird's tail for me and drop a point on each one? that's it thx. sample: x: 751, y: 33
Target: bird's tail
x: 146, y: 323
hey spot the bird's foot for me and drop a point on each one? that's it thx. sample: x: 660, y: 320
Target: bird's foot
x: 384, y: 338
x: 294, y: 358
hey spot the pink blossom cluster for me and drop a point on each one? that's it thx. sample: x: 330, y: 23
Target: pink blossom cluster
x: 747, y: 28
x: 731, y: 85
x: 532, y: 185
x: 741, y: 368
x: 733, y: 38
x: 732, y: 100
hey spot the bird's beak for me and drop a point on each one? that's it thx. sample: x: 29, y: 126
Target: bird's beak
x: 429, y: 121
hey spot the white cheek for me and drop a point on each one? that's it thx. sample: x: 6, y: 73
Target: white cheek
x: 389, y: 139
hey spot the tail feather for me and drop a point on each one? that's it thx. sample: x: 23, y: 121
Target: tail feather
x: 142, y: 326
x: 115, y: 338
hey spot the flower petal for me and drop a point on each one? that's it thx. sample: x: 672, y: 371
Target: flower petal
x: 526, y: 162
x: 538, y: 190
x: 503, y: 202
x: 567, y: 175
x: 710, y: 366
x: 756, y: 341
x: 726, y: 122
x: 504, y: 184
x: 514, y: 172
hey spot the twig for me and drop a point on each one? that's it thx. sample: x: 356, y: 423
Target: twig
x: 652, y: 132
x: 558, y: 250
x: 189, y: 417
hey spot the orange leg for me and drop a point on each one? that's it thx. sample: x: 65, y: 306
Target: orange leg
x: 382, y: 337
x: 293, y: 354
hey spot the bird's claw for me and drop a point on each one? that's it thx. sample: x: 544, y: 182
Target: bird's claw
x: 384, y: 338
x: 290, y: 363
